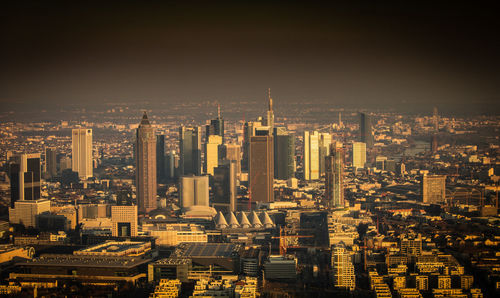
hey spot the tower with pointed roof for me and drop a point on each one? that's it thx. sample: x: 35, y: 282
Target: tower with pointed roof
x: 216, y: 126
x: 145, y: 166
x: 270, y: 112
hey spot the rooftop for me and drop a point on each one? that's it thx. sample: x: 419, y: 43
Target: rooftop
x: 220, y: 250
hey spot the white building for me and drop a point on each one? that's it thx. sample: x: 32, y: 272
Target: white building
x: 311, y: 155
x: 174, y: 234
x: 212, y: 153
x: 358, y: 154
x: 82, y: 152
x: 194, y: 191
x: 26, y: 211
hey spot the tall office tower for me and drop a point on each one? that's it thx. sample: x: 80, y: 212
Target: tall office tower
x: 248, y: 132
x: 311, y: 155
x: 434, y: 143
x: 82, y: 152
x: 261, y: 172
x: 325, y: 139
x: 284, y: 154
x: 25, y: 212
x: 365, y: 130
x: 225, y: 190
x: 334, y: 177
x: 24, y: 178
x: 145, y: 166
x: 194, y: 191
x: 124, y: 221
x: 51, y: 162
x: 435, y: 119
x: 160, y: 158
x: 216, y: 126
x: 433, y: 189
x: 270, y: 113
x: 233, y: 152
x: 172, y: 161
x: 190, y: 151
x: 358, y: 154
x: 212, y: 149
x: 343, y: 268
x: 340, y: 120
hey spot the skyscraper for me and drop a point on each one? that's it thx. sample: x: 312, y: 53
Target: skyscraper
x: 261, y: 170
x: 365, y: 130
x: 233, y: 152
x: 334, y: 177
x: 358, y: 154
x: 24, y: 178
x: 435, y: 119
x: 82, y: 152
x: 311, y: 155
x: 194, y: 191
x: 248, y: 132
x: 325, y: 139
x: 284, y: 154
x: 190, y: 151
x: 51, y: 162
x: 433, y: 189
x: 270, y: 112
x: 212, y: 149
x: 225, y: 190
x: 160, y: 158
x: 145, y: 168
x: 216, y: 126
x: 172, y: 161
x: 343, y: 268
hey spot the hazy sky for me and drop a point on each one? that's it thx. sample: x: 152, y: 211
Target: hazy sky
x: 371, y: 55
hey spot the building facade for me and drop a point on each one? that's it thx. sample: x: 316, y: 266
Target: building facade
x: 190, y: 151
x: 145, y: 168
x: 433, y: 189
x: 194, y: 191
x: 261, y: 172
x: 81, y: 152
x: 24, y: 178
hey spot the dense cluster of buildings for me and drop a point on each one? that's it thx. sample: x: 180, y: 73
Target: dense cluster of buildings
x: 253, y: 208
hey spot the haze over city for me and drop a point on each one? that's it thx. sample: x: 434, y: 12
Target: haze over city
x: 244, y: 150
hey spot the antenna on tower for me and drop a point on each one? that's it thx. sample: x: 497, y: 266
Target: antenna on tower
x: 218, y: 110
x: 270, y: 99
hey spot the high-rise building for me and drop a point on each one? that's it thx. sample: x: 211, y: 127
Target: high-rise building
x: 24, y: 178
x: 433, y: 189
x: 225, y: 190
x: 325, y: 139
x: 171, y: 164
x: 261, y: 172
x: 190, y: 151
x: 160, y: 159
x: 248, y: 132
x: 216, y: 126
x: 124, y: 221
x: 233, y: 152
x: 82, y: 152
x: 284, y: 154
x: 358, y: 154
x: 435, y: 119
x: 311, y: 155
x: 194, y: 191
x: 334, y: 177
x: 365, y: 130
x: 25, y: 212
x: 411, y: 246
x: 145, y: 168
x: 270, y: 112
x: 343, y: 268
x: 51, y: 162
x: 212, y: 149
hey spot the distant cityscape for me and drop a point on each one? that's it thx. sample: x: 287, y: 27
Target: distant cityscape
x: 323, y: 202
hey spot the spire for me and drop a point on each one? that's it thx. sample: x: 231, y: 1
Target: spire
x: 270, y: 108
x: 145, y: 119
x: 218, y: 111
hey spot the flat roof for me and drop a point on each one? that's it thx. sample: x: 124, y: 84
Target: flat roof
x: 60, y: 260
x: 222, y: 250
x: 114, y: 246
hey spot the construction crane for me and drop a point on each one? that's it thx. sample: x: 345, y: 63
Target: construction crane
x: 283, y: 243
